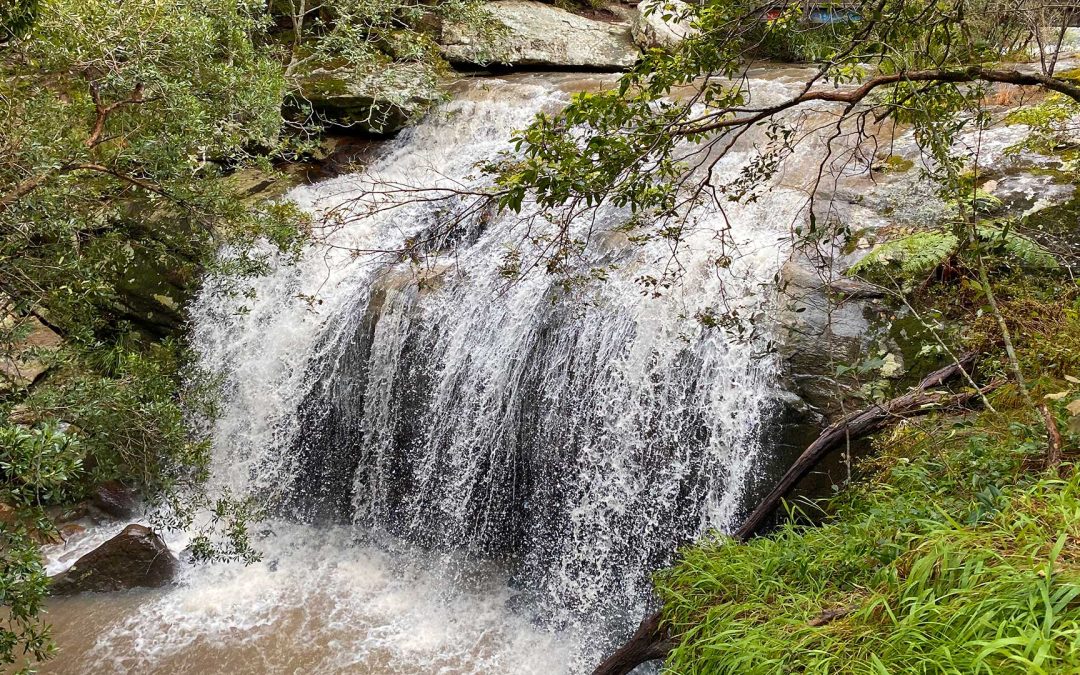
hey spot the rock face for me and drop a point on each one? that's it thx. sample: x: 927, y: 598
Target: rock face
x: 651, y: 30
x: 380, y: 102
x: 536, y: 35
x: 819, y: 334
x: 134, y: 558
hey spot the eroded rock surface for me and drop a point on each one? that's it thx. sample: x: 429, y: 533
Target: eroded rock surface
x: 536, y: 35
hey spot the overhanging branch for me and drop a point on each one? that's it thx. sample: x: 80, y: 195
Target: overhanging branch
x: 718, y: 121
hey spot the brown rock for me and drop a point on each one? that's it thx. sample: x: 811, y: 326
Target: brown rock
x: 115, y: 499
x: 71, y: 530
x: 137, y: 557
x: 26, y: 360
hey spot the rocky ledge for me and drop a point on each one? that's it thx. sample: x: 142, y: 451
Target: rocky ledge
x: 535, y: 35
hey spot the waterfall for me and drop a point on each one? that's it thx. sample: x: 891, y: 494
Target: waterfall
x: 472, y: 474
x: 581, y: 437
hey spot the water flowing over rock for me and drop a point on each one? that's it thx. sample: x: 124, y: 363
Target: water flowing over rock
x: 535, y: 35
x: 577, y: 438
x: 137, y: 557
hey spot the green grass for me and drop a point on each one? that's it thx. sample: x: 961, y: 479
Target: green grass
x: 957, y: 552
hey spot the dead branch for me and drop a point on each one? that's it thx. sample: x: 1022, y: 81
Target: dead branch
x: 1053, y: 434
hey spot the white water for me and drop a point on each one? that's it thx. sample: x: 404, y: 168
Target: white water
x: 506, y: 463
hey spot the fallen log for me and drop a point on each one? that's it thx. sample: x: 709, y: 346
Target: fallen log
x: 919, y: 401
x: 649, y: 642
x: 653, y: 641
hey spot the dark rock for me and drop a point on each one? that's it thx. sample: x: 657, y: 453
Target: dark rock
x: 380, y: 102
x: 115, y: 499
x: 137, y: 557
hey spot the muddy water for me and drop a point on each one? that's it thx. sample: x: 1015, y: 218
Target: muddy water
x: 315, y: 604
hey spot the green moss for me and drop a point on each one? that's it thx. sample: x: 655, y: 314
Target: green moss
x: 896, y: 164
x: 1060, y: 219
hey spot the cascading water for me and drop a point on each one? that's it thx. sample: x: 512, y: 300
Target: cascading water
x: 473, y: 475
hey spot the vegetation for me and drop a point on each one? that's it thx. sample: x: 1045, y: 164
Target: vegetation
x: 955, y: 554
x: 125, y: 125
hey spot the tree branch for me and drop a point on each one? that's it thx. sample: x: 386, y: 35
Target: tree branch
x: 103, y: 110
x: 856, y: 95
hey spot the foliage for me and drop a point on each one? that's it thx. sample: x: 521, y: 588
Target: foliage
x: 119, y: 120
x: 122, y: 122
x: 909, y: 261
x: 906, y: 261
x: 941, y: 566
x: 955, y: 551
x: 38, y: 466
x: 382, y: 48
x: 653, y: 142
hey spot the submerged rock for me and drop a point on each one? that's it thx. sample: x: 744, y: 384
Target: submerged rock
x: 532, y: 34
x: 137, y: 557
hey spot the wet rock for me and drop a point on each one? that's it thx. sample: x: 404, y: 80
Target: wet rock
x: 71, y: 530
x: 27, y: 358
x: 115, y: 499
x: 651, y: 29
x: 379, y: 102
x: 536, y: 35
x: 819, y: 332
x: 137, y: 557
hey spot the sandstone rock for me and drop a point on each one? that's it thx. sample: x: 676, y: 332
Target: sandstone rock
x: 137, y: 557
x: 651, y: 29
x: 542, y: 36
x: 379, y: 102
x: 27, y: 359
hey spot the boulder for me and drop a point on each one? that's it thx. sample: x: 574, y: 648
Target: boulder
x: 137, y: 557
x: 115, y: 499
x: 376, y: 102
x: 652, y: 30
x: 535, y: 35
x: 27, y: 359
